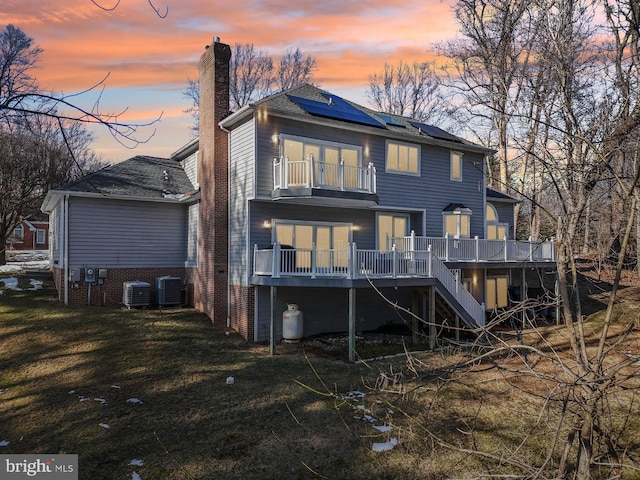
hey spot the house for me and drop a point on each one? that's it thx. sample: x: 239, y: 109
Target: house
x: 31, y: 233
x: 301, y: 198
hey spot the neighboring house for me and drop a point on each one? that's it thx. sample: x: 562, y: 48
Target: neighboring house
x: 306, y: 198
x: 30, y: 234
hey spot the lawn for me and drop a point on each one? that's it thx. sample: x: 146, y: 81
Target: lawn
x: 188, y: 400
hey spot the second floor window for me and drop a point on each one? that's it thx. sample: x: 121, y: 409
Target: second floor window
x: 403, y: 158
x: 456, y: 166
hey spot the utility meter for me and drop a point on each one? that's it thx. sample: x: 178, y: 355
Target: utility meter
x: 90, y: 275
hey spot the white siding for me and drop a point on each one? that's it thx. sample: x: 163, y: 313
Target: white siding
x: 192, y: 235
x: 117, y: 233
x: 190, y: 166
x: 241, y: 190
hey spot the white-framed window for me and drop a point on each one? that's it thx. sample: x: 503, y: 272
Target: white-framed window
x: 18, y: 232
x: 403, y: 158
x: 326, y: 158
x: 391, y: 225
x: 495, y: 229
x: 331, y: 241
x: 457, y: 221
x: 496, y: 292
x: 456, y: 166
x: 40, y: 235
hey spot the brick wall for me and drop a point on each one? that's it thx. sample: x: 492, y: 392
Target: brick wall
x: 243, y: 310
x: 110, y: 293
x: 210, y: 278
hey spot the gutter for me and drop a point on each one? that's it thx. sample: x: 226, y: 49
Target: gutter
x: 228, y: 217
x: 65, y: 247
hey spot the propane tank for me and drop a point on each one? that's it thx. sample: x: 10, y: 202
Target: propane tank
x: 292, y: 322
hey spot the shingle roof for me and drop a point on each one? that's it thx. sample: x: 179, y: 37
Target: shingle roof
x: 140, y: 176
x: 281, y: 103
x: 497, y: 195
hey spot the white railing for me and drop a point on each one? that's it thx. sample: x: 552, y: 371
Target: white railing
x: 450, y: 249
x: 352, y: 263
x: 311, y: 173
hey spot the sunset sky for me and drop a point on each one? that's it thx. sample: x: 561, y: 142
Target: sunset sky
x: 149, y: 59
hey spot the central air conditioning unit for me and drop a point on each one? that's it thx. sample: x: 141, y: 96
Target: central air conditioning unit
x: 168, y: 291
x: 136, y: 294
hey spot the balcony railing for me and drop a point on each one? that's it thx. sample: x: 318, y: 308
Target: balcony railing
x: 450, y: 249
x: 311, y: 173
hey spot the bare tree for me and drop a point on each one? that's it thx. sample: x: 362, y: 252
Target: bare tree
x: 253, y: 76
x: 487, y: 67
x: 35, y: 158
x: 294, y: 68
x: 406, y: 89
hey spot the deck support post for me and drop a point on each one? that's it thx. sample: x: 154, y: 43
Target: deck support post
x: 457, y: 332
x: 272, y: 325
x: 523, y: 297
x: 432, y: 318
x: 415, y: 309
x: 352, y: 324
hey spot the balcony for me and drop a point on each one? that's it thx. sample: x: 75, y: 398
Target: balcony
x: 317, y: 179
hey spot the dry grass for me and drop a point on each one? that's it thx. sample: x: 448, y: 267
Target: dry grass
x: 282, y: 418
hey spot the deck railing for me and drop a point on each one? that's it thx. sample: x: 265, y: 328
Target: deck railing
x: 311, y: 173
x: 451, y: 249
x: 353, y: 263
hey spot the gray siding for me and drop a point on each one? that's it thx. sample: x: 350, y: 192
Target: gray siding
x: 431, y: 191
x: 115, y: 233
x: 241, y: 190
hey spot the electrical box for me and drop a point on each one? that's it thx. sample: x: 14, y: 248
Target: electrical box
x: 102, y: 273
x: 90, y: 275
x: 74, y: 275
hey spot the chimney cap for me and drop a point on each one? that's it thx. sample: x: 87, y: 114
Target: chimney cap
x: 216, y: 39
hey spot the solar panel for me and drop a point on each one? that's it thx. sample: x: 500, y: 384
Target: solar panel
x: 337, y: 108
x: 436, y: 132
x: 390, y: 120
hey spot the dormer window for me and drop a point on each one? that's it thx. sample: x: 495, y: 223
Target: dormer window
x: 457, y: 220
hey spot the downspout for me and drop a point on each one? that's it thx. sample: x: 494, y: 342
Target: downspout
x: 228, y: 220
x: 65, y: 247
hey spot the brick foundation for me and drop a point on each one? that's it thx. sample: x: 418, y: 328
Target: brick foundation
x: 110, y: 293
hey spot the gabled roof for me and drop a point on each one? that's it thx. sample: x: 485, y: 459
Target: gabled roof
x: 288, y: 104
x: 140, y: 177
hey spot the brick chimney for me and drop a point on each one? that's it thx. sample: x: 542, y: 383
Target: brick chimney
x: 210, y: 282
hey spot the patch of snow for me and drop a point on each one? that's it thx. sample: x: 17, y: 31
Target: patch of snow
x: 230, y: 380
x: 36, y: 284
x: 104, y: 425
x: 3, y: 390
x: 384, y: 446
x: 71, y: 392
x: 82, y: 398
x: 11, y: 283
x: 4, y: 443
x: 383, y: 428
x: 10, y: 268
x: 136, y: 476
x: 134, y: 400
x: 116, y: 386
x: 101, y: 400
x: 136, y: 462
